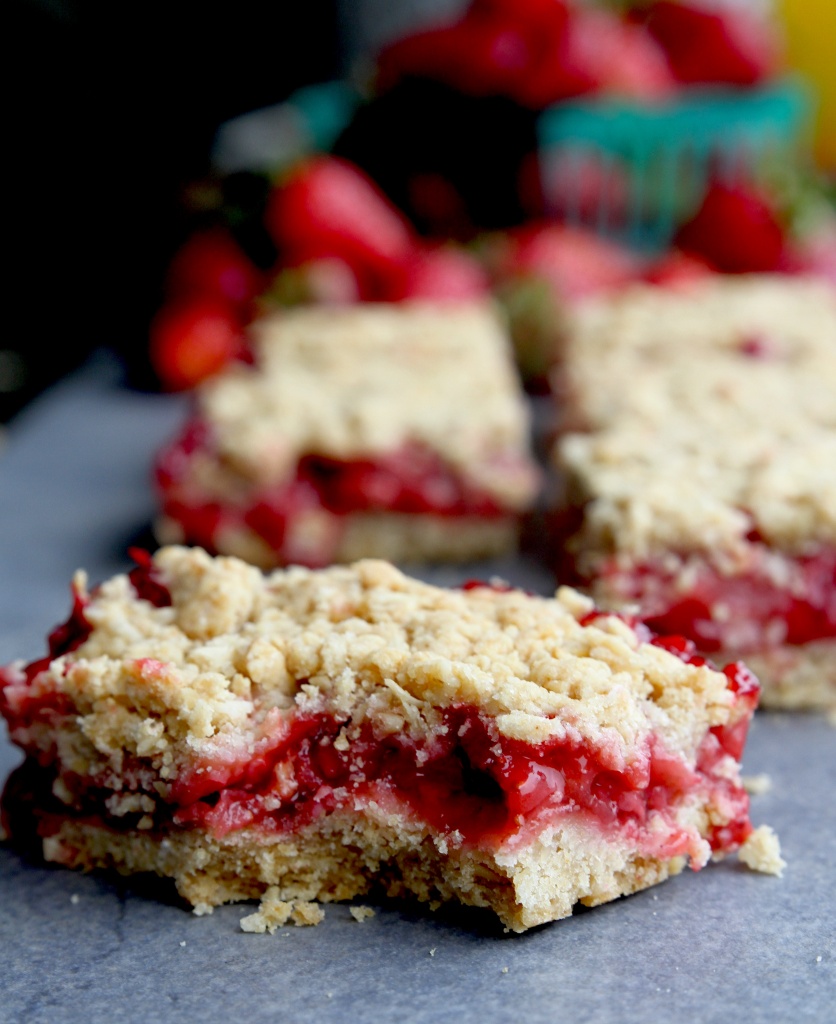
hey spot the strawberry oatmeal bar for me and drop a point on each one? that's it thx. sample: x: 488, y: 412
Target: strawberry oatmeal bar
x: 704, y: 493
x: 391, y: 431
x: 317, y: 734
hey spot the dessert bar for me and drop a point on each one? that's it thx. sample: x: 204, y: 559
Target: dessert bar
x: 325, y: 733
x: 392, y: 431
x: 699, y: 452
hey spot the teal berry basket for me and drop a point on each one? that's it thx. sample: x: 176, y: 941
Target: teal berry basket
x: 634, y: 171
x: 267, y: 140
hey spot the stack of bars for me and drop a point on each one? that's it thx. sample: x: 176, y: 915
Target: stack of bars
x: 388, y: 431
x: 699, y: 450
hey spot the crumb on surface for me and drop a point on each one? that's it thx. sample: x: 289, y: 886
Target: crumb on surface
x: 762, y: 852
x: 757, y: 785
x: 74, y: 898
x: 361, y: 913
x: 274, y: 912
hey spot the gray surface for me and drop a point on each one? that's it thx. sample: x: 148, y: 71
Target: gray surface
x: 722, y: 945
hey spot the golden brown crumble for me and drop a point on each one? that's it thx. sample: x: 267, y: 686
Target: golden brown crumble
x: 368, y: 380
x: 762, y: 852
x: 207, y: 676
x: 699, y: 405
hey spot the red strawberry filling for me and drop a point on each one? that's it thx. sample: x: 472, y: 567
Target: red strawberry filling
x: 791, y: 601
x: 468, y: 779
x: 409, y: 480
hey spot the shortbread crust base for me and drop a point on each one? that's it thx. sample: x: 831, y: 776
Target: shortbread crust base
x: 345, y: 858
x: 392, y: 536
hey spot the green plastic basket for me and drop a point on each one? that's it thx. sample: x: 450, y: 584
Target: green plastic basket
x: 662, y: 156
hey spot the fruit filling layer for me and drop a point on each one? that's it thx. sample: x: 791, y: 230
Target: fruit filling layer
x: 410, y: 480
x: 781, y: 601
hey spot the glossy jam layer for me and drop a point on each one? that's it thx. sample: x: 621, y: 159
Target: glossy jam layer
x: 750, y: 612
x: 469, y: 780
x: 410, y: 480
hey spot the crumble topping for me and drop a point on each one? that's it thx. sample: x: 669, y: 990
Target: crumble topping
x: 368, y: 380
x: 207, y: 676
x: 757, y: 785
x: 762, y: 852
x: 711, y: 414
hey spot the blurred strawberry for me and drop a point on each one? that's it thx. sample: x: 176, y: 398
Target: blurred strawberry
x: 539, y: 271
x: 192, y: 339
x: 619, y: 57
x: 677, y: 271
x: 497, y: 48
x: 329, y: 208
x: 736, y: 230
x: 326, y: 281
x: 442, y: 273
x: 816, y: 253
x: 704, y: 44
x: 212, y: 263
x: 432, y: 53
x: 574, y: 262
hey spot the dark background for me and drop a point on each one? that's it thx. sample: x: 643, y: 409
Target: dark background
x: 112, y: 110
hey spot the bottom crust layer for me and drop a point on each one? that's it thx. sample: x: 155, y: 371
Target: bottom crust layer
x: 343, y: 859
x: 392, y: 536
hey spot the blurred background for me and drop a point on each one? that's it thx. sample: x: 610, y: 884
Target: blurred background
x: 114, y: 117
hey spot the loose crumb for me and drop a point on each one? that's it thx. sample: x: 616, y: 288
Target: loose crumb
x: 757, y: 785
x: 432, y: 951
x: 274, y: 912
x: 361, y: 913
x: 183, y: 943
x: 818, y: 959
x: 504, y: 970
x: 762, y: 852
x: 75, y: 898
x: 304, y: 914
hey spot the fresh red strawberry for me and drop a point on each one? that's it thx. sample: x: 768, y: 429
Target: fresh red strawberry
x: 736, y: 230
x: 193, y: 338
x: 539, y: 271
x: 326, y: 281
x: 329, y: 208
x: 432, y: 53
x: 212, y: 263
x: 442, y: 273
x: 677, y: 271
x: 498, y: 48
x: 816, y: 254
x: 558, y: 75
x: 574, y: 262
x: 619, y: 57
x: 704, y: 44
